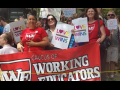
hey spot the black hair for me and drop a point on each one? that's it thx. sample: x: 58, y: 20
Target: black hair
x: 47, y: 26
x: 2, y: 18
x: 32, y: 15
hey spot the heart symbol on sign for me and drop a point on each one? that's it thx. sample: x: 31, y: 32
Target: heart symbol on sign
x: 60, y: 31
x: 16, y: 28
x: 77, y: 27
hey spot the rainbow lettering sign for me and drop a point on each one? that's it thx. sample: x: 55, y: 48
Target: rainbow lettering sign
x: 62, y: 35
x: 81, y: 30
x: 17, y: 28
x: 112, y: 24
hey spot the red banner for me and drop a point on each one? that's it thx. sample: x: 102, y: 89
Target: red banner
x: 74, y: 64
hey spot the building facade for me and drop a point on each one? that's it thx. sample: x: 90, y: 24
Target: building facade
x: 12, y: 13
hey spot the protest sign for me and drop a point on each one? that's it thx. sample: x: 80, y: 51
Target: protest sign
x: 112, y: 24
x: 62, y: 35
x: 75, y: 64
x: 81, y: 30
x: 54, y: 11
x: 17, y: 28
x: 68, y: 12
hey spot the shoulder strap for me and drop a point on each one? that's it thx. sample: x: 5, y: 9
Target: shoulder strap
x: 99, y: 29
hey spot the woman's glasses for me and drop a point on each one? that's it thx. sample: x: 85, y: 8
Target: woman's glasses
x: 50, y: 19
x: 69, y: 20
x: 111, y: 15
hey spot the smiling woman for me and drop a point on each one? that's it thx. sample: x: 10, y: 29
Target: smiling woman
x: 33, y: 38
x: 51, y: 23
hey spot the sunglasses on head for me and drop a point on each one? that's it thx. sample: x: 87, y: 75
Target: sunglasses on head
x: 111, y: 15
x: 50, y: 19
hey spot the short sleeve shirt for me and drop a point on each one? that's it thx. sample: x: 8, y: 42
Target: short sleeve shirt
x: 94, y: 31
x: 6, y: 29
x: 36, y: 35
x: 50, y: 36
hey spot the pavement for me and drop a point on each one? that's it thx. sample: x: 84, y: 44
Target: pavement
x: 117, y: 75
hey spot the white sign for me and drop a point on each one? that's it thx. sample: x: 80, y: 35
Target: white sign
x: 62, y: 35
x: 112, y: 24
x: 68, y: 12
x: 81, y: 30
x: 54, y: 11
x: 16, y: 28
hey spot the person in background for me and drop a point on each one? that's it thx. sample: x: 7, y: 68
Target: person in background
x: 26, y: 23
x: 75, y: 16
x: 69, y: 21
x: 5, y: 25
x: 32, y: 38
x: 1, y: 31
x: 51, y: 23
x: 82, y: 15
x: 6, y: 43
x: 21, y: 18
x: 43, y: 20
x: 101, y: 17
x: 39, y: 24
x: 118, y: 21
x: 16, y: 20
x: 62, y: 18
x: 112, y: 52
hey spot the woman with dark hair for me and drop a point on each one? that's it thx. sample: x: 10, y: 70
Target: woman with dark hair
x: 51, y: 23
x: 33, y: 38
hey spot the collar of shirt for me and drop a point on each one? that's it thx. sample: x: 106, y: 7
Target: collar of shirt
x: 7, y: 45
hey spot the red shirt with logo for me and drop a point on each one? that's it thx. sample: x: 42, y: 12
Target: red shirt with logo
x: 36, y: 35
x: 94, y: 31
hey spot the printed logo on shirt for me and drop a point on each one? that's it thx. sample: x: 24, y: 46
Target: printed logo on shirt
x: 30, y: 36
x: 91, y: 27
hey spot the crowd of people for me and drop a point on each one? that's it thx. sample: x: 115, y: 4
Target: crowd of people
x: 45, y: 28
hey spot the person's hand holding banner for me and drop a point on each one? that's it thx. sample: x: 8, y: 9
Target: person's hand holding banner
x: 51, y: 45
x: 20, y: 47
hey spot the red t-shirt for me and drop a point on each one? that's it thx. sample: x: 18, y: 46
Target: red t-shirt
x: 94, y: 31
x: 107, y: 31
x: 35, y: 35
